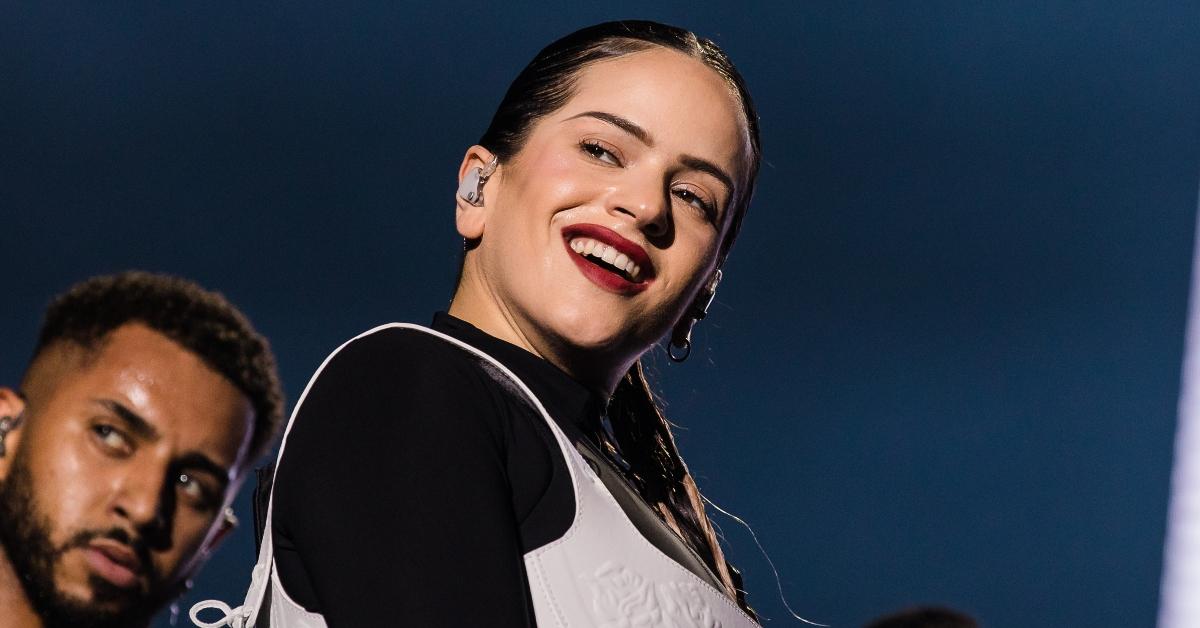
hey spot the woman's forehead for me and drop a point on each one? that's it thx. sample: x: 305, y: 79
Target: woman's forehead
x: 683, y: 105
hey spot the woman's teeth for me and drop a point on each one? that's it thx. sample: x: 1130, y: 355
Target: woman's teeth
x: 591, y: 248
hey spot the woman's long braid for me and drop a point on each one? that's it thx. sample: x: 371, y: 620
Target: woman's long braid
x: 659, y: 473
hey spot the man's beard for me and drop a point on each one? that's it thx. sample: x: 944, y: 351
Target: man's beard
x: 25, y: 537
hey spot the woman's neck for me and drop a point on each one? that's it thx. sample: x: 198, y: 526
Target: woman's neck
x: 475, y: 306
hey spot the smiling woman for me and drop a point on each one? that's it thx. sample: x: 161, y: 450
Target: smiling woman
x: 509, y: 466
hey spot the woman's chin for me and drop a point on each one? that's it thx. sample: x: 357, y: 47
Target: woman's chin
x: 601, y: 349
x: 599, y: 341
x: 592, y: 329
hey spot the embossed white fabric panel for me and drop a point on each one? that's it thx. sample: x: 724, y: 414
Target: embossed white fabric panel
x: 604, y: 573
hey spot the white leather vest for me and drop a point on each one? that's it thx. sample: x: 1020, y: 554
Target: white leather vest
x: 602, y: 572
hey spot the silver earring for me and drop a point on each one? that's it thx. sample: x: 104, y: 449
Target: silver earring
x: 697, y: 314
x: 685, y: 348
x: 471, y: 188
x: 8, y: 424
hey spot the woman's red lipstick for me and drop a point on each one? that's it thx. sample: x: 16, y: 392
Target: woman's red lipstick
x: 603, y: 276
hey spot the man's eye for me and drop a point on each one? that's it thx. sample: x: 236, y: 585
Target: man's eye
x: 598, y: 152
x: 112, y: 439
x: 190, y: 485
x: 195, y: 491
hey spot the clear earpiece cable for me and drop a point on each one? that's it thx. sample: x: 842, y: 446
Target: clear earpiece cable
x: 778, y: 583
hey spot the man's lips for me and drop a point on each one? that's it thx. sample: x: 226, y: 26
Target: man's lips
x: 114, y: 561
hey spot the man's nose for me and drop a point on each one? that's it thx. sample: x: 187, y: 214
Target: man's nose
x: 145, y: 500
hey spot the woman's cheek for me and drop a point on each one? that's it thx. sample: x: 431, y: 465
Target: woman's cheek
x: 697, y: 250
x: 566, y: 183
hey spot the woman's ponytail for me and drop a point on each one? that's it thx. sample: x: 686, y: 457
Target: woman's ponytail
x: 659, y: 473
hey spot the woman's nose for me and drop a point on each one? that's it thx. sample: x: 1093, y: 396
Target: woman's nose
x: 645, y: 200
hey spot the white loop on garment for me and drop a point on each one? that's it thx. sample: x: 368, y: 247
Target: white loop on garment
x: 230, y: 616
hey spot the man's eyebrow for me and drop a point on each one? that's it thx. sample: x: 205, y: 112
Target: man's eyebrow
x: 625, y: 125
x: 200, y: 462
x: 630, y: 127
x: 133, y: 421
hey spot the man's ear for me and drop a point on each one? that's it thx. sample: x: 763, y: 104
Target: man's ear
x: 12, y: 408
x: 228, y: 524
x: 470, y: 218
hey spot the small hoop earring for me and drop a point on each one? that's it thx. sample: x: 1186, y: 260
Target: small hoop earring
x: 686, y: 347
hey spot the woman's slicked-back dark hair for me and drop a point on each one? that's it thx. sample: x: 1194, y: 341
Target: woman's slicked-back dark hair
x: 642, y: 432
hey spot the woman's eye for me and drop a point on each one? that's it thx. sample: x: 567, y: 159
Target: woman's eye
x: 596, y: 151
x: 112, y: 439
x: 695, y: 200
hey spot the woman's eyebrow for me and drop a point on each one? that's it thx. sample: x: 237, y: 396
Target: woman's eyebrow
x: 625, y: 125
x: 630, y: 127
x: 708, y: 167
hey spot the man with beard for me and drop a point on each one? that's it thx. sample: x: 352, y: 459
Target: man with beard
x: 145, y: 402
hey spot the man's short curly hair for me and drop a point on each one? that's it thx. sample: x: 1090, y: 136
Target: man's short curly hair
x: 202, y: 322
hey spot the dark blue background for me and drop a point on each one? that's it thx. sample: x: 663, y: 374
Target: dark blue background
x: 943, y: 365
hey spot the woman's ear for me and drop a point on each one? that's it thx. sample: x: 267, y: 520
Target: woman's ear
x: 478, y: 166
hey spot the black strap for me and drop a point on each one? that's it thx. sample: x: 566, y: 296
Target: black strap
x: 261, y: 501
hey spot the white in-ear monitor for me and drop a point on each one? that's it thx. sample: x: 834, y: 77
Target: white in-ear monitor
x: 471, y: 188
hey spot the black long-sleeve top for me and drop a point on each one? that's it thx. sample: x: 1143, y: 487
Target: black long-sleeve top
x: 413, y: 483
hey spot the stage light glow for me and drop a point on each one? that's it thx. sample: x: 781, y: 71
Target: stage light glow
x: 1180, y: 603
